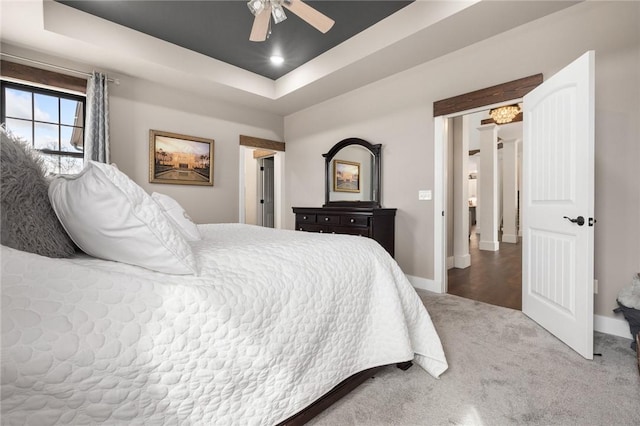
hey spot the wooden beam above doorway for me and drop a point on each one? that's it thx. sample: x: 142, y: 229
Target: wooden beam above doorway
x: 515, y: 89
x: 261, y: 143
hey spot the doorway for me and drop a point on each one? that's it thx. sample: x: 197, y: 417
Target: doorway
x: 484, y: 266
x: 558, y: 193
x: 265, y: 199
x: 261, y: 182
x: 444, y: 111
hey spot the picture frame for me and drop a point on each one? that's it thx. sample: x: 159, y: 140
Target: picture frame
x: 180, y: 159
x: 346, y: 176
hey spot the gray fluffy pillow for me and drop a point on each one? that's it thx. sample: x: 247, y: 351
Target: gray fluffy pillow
x: 28, y: 220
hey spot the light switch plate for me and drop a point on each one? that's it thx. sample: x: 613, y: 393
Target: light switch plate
x: 424, y: 195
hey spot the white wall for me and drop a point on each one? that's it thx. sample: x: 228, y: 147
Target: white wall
x: 397, y: 112
x: 137, y: 105
x: 406, y: 163
x: 250, y: 186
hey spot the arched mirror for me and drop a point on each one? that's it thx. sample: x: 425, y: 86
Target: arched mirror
x: 352, y: 174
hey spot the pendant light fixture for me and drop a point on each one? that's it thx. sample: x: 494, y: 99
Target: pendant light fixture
x: 504, y: 114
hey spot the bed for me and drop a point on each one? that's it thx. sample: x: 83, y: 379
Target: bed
x: 267, y: 324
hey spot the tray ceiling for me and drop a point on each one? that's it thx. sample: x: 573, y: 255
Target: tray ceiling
x: 220, y: 29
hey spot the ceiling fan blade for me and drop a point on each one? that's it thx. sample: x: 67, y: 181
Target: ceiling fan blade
x: 314, y: 18
x: 261, y: 25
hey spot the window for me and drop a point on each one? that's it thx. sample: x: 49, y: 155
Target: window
x: 51, y: 122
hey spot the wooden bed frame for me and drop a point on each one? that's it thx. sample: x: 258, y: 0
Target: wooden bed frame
x: 335, y: 394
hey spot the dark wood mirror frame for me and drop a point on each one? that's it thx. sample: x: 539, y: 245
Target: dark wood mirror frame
x: 375, y: 173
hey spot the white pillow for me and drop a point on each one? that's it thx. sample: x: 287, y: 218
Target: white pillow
x: 109, y: 216
x: 178, y: 216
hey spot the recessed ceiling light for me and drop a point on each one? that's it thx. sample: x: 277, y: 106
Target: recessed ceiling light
x: 277, y: 60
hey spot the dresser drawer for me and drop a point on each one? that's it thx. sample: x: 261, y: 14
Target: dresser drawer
x: 354, y: 220
x: 306, y: 218
x: 372, y: 222
x: 328, y: 219
x: 310, y: 227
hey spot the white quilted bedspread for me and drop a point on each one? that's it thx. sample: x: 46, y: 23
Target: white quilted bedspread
x: 273, y: 321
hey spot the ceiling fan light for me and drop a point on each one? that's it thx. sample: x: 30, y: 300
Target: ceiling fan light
x: 504, y: 114
x: 278, y: 13
x: 256, y: 6
x: 276, y: 60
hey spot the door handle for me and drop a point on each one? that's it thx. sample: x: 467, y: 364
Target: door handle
x: 578, y: 220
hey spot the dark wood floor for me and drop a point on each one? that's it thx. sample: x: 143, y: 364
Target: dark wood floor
x: 494, y: 277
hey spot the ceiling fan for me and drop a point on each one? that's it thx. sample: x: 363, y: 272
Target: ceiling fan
x: 264, y: 9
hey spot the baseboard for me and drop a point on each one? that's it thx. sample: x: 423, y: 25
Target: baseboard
x: 509, y: 238
x: 602, y: 324
x: 615, y: 326
x: 450, y: 262
x: 489, y: 245
x: 424, y: 284
x: 462, y: 262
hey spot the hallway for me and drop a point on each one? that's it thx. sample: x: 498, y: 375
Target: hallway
x: 493, y: 277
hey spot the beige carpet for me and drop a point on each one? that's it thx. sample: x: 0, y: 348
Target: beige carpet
x: 504, y: 369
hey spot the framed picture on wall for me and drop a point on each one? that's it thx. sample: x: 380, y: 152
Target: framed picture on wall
x: 346, y: 176
x: 180, y: 159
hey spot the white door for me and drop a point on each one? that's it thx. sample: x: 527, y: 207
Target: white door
x: 558, y: 194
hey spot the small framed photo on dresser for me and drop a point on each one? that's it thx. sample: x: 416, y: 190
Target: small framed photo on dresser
x: 346, y: 176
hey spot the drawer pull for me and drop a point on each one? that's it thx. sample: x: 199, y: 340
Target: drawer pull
x: 352, y: 220
x: 321, y: 231
x: 305, y: 217
x: 326, y: 219
x: 300, y: 228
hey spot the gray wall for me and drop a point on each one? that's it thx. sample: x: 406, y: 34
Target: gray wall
x: 397, y: 112
x: 137, y: 106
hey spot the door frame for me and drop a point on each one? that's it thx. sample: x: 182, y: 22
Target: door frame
x: 443, y: 110
x: 252, y: 143
x: 261, y: 183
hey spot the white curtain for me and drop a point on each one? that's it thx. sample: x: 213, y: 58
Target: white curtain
x: 96, y: 131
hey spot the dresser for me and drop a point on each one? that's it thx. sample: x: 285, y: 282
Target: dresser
x: 371, y: 222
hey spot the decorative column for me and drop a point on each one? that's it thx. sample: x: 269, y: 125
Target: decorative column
x: 461, y: 256
x: 509, y: 190
x: 489, y: 188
